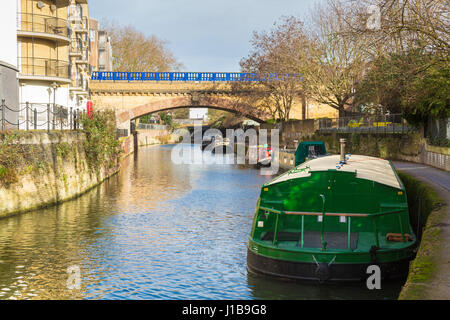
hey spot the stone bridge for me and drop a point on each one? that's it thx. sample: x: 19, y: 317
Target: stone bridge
x: 132, y: 98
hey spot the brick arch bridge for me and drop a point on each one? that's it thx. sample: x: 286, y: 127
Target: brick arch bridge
x: 191, y: 101
x: 133, y: 95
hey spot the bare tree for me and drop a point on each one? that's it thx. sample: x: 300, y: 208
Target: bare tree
x: 134, y: 51
x: 402, y: 25
x: 408, y: 46
x: 272, y: 58
x: 335, y: 60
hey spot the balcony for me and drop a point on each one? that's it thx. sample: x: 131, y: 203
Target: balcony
x: 79, y: 85
x: 44, y: 69
x: 80, y: 53
x: 42, y: 26
x: 83, y: 58
x: 79, y: 24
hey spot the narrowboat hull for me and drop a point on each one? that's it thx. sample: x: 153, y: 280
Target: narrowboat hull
x: 323, y: 272
x: 326, y: 222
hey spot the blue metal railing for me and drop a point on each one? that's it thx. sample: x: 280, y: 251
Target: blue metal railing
x: 189, y: 76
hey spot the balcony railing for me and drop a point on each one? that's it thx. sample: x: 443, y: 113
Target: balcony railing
x: 80, y: 82
x: 79, y: 24
x: 83, y: 52
x: 43, y: 24
x: 31, y: 66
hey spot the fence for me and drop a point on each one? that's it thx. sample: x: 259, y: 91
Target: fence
x: 377, y: 124
x: 38, y: 116
x: 438, y: 131
x: 121, y: 133
x: 145, y: 126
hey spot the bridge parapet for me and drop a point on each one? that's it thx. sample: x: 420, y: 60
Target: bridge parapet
x: 191, y: 76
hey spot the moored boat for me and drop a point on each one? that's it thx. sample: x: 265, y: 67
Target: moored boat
x: 222, y: 144
x: 260, y: 155
x: 330, y: 218
x: 308, y: 150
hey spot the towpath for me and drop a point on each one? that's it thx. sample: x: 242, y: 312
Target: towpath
x: 427, y: 173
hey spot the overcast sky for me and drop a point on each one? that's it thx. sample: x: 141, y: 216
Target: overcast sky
x: 204, y: 35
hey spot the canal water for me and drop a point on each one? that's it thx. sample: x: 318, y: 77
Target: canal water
x: 156, y: 230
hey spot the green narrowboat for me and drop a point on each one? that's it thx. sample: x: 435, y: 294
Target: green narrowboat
x: 329, y: 219
x: 308, y: 150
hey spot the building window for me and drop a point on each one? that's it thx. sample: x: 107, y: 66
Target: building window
x: 92, y: 35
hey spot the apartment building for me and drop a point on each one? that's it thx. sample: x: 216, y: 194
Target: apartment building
x: 9, y: 92
x: 101, y: 48
x: 93, y: 41
x: 104, y: 51
x: 79, y: 54
x: 48, y: 52
x: 52, y: 57
x: 43, y: 38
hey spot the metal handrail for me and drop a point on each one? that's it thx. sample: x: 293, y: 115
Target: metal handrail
x: 324, y: 214
x: 56, y: 116
x: 42, y: 23
x: 366, y: 123
x: 358, y: 215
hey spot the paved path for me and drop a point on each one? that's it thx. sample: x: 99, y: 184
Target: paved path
x: 438, y: 287
x: 431, y: 174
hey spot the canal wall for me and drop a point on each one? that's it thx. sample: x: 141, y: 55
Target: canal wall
x: 154, y: 136
x: 429, y: 272
x: 40, y: 169
x: 410, y: 147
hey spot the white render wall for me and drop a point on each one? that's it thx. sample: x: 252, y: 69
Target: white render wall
x: 39, y: 93
x: 198, y: 113
x: 8, y: 35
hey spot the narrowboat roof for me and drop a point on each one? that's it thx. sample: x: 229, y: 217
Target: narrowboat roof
x: 365, y: 167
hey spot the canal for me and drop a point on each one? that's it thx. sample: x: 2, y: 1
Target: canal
x: 156, y: 230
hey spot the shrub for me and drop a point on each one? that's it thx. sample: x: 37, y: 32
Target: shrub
x: 101, y: 146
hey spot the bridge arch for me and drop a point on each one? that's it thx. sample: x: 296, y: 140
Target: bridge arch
x: 230, y: 104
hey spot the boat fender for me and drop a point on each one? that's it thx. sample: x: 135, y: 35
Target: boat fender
x: 323, y: 271
x: 373, y: 253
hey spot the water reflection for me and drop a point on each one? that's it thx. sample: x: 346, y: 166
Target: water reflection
x: 275, y: 289
x: 156, y: 230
